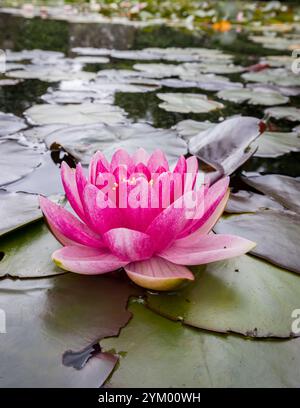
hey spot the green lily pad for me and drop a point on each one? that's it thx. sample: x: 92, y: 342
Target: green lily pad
x: 186, y: 102
x: 284, y: 112
x: 226, y: 146
x: 16, y: 161
x: 156, y: 352
x: 276, y: 233
x: 276, y: 144
x: 284, y: 189
x: 27, y: 252
x: 237, y: 295
x: 83, y: 141
x: 17, y: 209
x: 75, y: 114
x: 54, y: 325
x: 280, y: 77
x: 10, y: 123
x: 259, y: 96
x: 247, y: 201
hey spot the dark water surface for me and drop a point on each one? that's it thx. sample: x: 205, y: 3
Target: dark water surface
x: 17, y: 33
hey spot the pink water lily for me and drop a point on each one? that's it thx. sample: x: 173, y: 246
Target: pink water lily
x: 153, y: 243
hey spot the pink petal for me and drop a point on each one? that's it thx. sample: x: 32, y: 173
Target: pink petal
x: 158, y: 274
x: 68, y: 225
x: 140, y: 156
x: 81, y: 180
x: 101, y: 217
x: 192, y: 170
x: 213, y: 206
x: 197, y: 249
x: 129, y: 244
x: 122, y: 158
x: 171, y: 221
x: 68, y: 177
x: 180, y: 166
x: 98, y: 164
x: 156, y: 160
x: 85, y: 260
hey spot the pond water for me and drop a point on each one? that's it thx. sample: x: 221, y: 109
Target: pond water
x: 19, y: 34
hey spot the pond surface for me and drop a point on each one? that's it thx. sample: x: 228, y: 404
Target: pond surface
x: 20, y: 34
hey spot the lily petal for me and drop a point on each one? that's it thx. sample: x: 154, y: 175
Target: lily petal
x: 98, y: 164
x: 140, y: 156
x: 68, y: 225
x: 213, y: 207
x: 129, y: 244
x: 158, y: 274
x: 68, y: 177
x: 156, y: 160
x: 85, y: 260
x: 197, y: 249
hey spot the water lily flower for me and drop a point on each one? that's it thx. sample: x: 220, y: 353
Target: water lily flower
x: 153, y: 243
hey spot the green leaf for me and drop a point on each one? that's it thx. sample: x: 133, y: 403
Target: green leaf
x: 17, y: 209
x: 275, y: 232
x: 27, y: 252
x: 242, y: 295
x: 47, y: 317
x: 156, y: 352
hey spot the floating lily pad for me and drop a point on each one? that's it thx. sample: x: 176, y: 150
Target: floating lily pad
x: 275, y: 144
x: 45, y: 179
x: 284, y: 90
x: 183, y: 357
x: 160, y: 70
x: 16, y: 161
x: 190, y: 128
x: 280, y: 76
x: 275, y: 232
x: 9, y: 82
x: 207, y: 67
x: 284, y: 189
x: 72, y: 97
x: 226, y: 146
x: 259, y: 96
x: 238, y: 295
x: 284, y: 112
x: 247, y: 201
x: 27, y: 252
x: 83, y: 141
x: 17, y: 209
x: 73, y: 114
x: 185, y: 102
x: 91, y: 59
x: 10, y: 123
x: 47, y: 317
x: 50, y: 73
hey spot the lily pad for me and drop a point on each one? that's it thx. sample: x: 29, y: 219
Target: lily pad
x: 17, y: 209
x: 275, y: 144
x: 83, y: 141
x: 16, y: 161
x: 50, y: 73
x: 204, y: 360
x: 284, y: 189
x: 259, y: 96
x: 10, y: 123
x: 284, y: 112
x: 275, y: 232
x: 238, y: 295
x: 280, y: 76
x: 27, y: 253
x: 247, y: 201
x: 73, y: 114
x: 226, y: 146
x: 45, y: 179
x: 47, y: 317
x: 185, y: 102
x: 189, y: 128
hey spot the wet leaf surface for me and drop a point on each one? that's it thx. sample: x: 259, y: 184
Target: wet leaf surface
x: 16, y: 161
x: 16, y: 210
x: 247, y: 201
x: 83, y: 141
x: 284, y: 189
x: 185, y: 357
x: 47, y: 317
x: 275, y: 232
x: 184, y: 102
x: 238, y: 295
